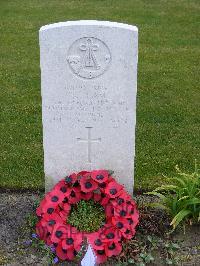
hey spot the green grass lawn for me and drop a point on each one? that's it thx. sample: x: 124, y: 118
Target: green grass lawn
x: 168, y: 103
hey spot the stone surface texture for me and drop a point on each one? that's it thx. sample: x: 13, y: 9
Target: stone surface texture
x: 89, y: 83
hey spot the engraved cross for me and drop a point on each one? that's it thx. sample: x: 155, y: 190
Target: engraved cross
x: 89, y: 142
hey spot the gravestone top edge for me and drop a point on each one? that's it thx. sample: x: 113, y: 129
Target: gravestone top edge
x: 89, y: 23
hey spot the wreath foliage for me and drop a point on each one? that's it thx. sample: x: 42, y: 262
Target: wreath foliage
x: 121, y: 215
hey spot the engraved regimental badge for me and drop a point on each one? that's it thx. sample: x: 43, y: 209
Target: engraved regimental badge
x: 89, y: 57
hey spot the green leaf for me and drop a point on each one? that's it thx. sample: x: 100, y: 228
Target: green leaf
x: 193, y: 201
x: 161, y: 196
x: 167, y: 188
x: 184, y: 197
x: 149, y: 238
x: 140, y: 264
x: 169, y: 262
x: 180, y: 198
x: 131, y: 261
x: 142, y: 255
x: 179, y: 180
x: 179, y: 217
x: 149, y: 258
x: 175, y: 246
x: 158, y: 205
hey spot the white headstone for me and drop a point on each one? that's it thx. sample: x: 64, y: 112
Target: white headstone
x: 89, y: 82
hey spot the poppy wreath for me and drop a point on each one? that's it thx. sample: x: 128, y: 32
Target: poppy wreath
x: 120, y: 211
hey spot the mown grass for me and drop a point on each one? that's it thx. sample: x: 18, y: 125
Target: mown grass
x: 168, y: 103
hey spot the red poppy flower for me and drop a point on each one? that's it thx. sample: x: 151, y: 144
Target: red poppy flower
x: 74, y: 196
x: 65, y: 205
x: 41, y: 231
x: 97, y: 196
x: 39, y: 211
x: 124, y: 198
x: 76, y: 187
x: 59, y: 232
x: 86, y: 196
x: 72, y: 240
x: 109, y: 211
x: 50, y: 220
x: 102, y: 186
x: 105, y: 200
x: 95, y: 241
x: 62, y: 187
x: 88, y: 184
x: 47, y: 206
x: 113, y: 189
x: 133, y: 220
x: 113, y: 249
x: 110, y: 234
x: 120, y: 223
x: 64, y: 215
x: 55, y: 197
x: 101, y: 256
x: 128, y: 234
x: 134, y: 214
x: 64, y: 254
x: 100, y: 176
x: 61, y: 253
x: 82, y: 173
x: 64, y: 210
x: 48, y: 240
x: 125, y: 225
x: 123, y: 210
x: 111, y: 179
x: 71, y: 179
